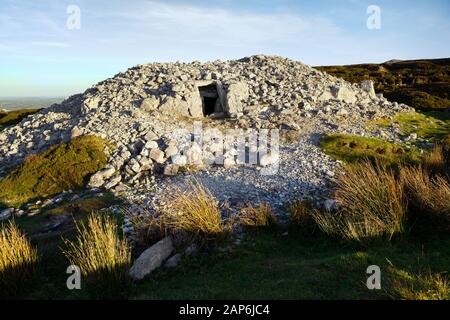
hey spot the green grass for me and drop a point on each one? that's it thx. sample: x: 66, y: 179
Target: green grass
x: 83, y: 206
x: 76, y: 208
x: 351, y: 148
x: 433, y: 126
x: 422, y: 84
x: 13, y: 117
x: 271, y: 266
x: 62, y: 167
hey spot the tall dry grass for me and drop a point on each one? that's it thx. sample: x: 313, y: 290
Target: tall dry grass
x: 148, y: 227
x: 196, y: 211
x: 372, y: 202
x: 430, y: 195
x: 18, y: 260
x: 102, y: 255
x: 301, y: 214
x: 260, y: 216
x: 435, y: 161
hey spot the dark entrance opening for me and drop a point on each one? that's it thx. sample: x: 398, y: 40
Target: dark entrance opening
x: 210, y: 100
x: 209, y: 105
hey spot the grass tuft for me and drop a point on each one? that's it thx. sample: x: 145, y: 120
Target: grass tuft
x: 18, y: 261
x: 195, y: 211
x: 260, y: 216
x: 434, y: 161
x: 372, y: 204
x: 103, y: 257
x: 430, y: 195
x: 147, y: 227
x: 301, y: 213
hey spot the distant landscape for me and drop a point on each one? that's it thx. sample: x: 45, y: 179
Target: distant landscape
x: 422, y: 84
x: 15, y: 103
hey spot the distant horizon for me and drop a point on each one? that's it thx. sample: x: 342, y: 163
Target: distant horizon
x: 74, y: 93
x: 31, y: 97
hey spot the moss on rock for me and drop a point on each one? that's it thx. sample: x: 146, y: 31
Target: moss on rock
x: 62, y: 167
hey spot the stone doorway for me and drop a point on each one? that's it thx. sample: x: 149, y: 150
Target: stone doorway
x: 211, y: 102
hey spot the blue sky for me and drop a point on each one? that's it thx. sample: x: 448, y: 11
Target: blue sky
x: 40, y: 56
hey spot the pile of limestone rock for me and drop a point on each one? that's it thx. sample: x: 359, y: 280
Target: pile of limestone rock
x: 142, y: 110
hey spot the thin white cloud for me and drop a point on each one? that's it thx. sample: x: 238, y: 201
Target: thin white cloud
x: 50, y: 44
x: 221, y: 27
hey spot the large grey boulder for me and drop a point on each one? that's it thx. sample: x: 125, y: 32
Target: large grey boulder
x: 98, y: 179
x: 237, y: 93
x: 150, y: 104
x: 194, y: 104
x: 367, y: 86
x: 171, y: 106
x: 151, y: 259
x: 90, y: 103
x: 343, y: 93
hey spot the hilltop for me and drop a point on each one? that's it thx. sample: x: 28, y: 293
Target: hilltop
x: 138, y: 110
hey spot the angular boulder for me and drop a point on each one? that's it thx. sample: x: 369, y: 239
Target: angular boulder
x: 343, y: 93
x: 151, y: 259
x: 367, y: 86
x: 98, y: 179
x: 237, y: 93
x: 150, y: 104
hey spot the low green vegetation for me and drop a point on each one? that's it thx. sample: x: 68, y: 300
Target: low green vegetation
x: 351, y: 148
x: 422, y: 84
x: 62, y: 167
x: 13, y: 117
x: 377, y: 199
x: 419, y: 99
x: 276, y: 264
x: 83, y: 206
x: 433, y: 126
x: 279, y: 265
x: 421, y: 286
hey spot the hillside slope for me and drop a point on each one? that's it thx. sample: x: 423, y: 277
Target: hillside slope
x: 422, y: 84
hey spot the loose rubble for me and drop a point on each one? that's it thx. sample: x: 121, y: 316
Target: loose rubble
x: 139, y: 110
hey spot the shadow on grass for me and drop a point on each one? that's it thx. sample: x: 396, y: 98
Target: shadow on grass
x: 17, y: 280
x: 109, y: 284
